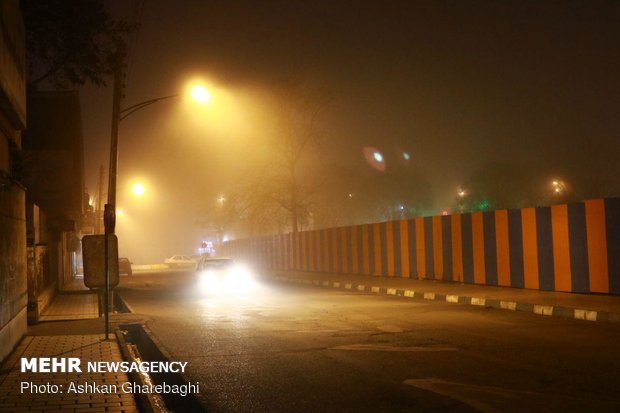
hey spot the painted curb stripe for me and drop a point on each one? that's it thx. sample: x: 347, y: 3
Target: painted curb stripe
x: 452, y: 298
x: 585, y: 315
x: 478, y: 301
x: 579, y: 314
x: 543, y: 309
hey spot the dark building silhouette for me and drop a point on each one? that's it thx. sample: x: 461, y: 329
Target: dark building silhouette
x: 54, y: 177
x: 13, y: 281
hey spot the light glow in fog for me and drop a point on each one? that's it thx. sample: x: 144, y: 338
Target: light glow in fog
x: 236, y: 280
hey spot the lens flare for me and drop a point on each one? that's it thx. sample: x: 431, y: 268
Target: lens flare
x: 374, y: 157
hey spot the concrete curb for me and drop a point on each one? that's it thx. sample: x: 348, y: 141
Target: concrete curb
x: 146, y: 267
x: 147, y: 402
x: 545, y: 310
x: 138, y: 339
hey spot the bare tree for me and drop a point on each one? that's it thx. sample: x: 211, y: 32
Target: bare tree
x: 290, y: 175
x: 71, y: 42
x: 297, y: 144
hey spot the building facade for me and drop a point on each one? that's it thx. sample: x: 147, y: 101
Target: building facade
x: 13, y: 257
x: 54, y: 176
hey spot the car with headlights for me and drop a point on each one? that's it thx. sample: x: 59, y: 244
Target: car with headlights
x: 180, y: 261
x: 214, y: 264
x: 223, y: 275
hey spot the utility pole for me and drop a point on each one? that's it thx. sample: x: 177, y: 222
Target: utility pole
x: 109, y: 214
x: 98, y: 207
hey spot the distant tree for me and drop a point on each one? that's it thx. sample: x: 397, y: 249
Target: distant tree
x: 291, y: 173
x: 295, y: 142
x: 71, y: 42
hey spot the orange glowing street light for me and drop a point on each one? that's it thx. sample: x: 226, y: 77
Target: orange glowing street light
x: 199, y: 93
x: 138, y: 189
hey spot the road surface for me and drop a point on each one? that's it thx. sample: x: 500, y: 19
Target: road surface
x: 283, y: 348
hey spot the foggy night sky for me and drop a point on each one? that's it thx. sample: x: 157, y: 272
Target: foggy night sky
x: 458, y: 84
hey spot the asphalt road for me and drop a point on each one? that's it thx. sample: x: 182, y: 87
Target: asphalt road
x: 282, y: 348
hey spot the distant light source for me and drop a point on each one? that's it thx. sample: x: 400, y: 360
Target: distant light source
x: 558, y: 186
x: 444, y: 212
x: 138, y: 189
x: 374, y: 157
x: 119, y: 212
x: 406, y: 156
x: 461, y: 193
x: 201, y: 94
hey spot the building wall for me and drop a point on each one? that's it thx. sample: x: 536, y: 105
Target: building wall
x: 54, y: 175
x: 568, y: 248
x: 13, y: 278
x: 13, y: 288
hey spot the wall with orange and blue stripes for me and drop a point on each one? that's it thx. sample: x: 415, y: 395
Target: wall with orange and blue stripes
x: 569, y: 247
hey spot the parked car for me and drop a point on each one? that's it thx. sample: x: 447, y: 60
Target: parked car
x: 124, y: 266
x: 179, y: 261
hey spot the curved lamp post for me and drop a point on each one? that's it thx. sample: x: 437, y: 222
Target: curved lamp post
x: 109, y: 215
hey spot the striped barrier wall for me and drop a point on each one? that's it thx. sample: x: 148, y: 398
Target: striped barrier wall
x: 569, y: 247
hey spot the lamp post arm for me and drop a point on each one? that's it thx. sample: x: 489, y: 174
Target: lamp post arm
x: 134, y: 108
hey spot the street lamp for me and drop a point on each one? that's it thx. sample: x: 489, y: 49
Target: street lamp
x: 138, y: 189
x: 201, y: 94
x: 109, y: 215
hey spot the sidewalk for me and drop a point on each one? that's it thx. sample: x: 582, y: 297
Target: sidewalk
x: 71, y: 307
x: 568, y: 305
x: 75, y: 332
x: 86, y: 347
